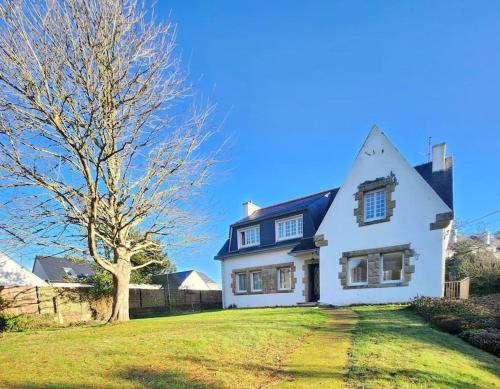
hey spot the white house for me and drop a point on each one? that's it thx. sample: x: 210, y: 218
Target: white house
x: 380, y: 237
x: 186, y: 280
x: 13, y: 274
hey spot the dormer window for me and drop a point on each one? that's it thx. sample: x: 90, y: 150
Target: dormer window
x: 248, y: 237
x: 289, y: 228
x: 374, y: 205
x: 70, y: 272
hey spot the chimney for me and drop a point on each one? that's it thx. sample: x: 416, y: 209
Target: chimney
x: 438, y: 157
x: 249, y: 208
x: 487, y: 239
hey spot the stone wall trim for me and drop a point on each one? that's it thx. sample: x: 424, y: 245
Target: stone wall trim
x: 269, y: 279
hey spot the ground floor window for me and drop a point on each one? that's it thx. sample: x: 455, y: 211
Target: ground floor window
x: 241, y: 282
x: 358, y: 271
x: 392, y: 267
x: 284, y: 278
x: 256, y: 281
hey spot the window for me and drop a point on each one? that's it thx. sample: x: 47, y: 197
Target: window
x: 70, y: 272
x: 248, y: 237
x: 284, y: 278
x: 374, y: 205
x: 392, y: 267
x: 358, y: 271
x: 289, y: 228
x: 256, y: 281
x: 241, y: 282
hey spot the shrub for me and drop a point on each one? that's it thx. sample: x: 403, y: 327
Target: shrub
x: 453, y: 316
x: 486, y: 339
x: 14, y: 323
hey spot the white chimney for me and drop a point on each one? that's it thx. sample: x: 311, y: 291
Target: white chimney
x: 249, y: 208
x: 487, y: 239
x: 438, y: 157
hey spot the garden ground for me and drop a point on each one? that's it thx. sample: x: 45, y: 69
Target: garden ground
x: 366, y: 347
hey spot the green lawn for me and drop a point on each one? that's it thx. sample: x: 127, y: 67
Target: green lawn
x: 232, y: 349
x: 254, y: 348
x: 394, y: 348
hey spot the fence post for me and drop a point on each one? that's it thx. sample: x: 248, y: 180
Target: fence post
x: 140, y: 298
x: 201, y: 303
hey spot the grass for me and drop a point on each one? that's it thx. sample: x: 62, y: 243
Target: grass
x: 394, y: 348
x: 320, y: 362
x: 254, y: 348
x: 232, y: 349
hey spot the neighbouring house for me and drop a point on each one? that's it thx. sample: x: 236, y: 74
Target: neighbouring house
x: 13, y: 274
x: 380, y: 237
x: 59, y: 271
x: 190, y: 279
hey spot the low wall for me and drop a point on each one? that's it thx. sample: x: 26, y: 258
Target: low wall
x: 71, y: 305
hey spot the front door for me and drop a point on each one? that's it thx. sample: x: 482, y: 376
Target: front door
x: 314, y: 282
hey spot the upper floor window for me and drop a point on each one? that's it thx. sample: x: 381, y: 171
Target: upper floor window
x: 374, y: 205
x: 248, y: 237
x: 289, y: 228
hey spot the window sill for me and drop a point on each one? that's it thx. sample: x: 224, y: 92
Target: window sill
x: 375, y: 286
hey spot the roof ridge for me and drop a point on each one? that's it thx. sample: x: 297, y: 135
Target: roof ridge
x: 298, y: 198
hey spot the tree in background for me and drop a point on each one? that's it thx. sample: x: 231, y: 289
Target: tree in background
x: 99, y: 135
x: 472, y: 258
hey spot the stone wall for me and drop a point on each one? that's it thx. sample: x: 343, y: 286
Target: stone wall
x: 374, y: 262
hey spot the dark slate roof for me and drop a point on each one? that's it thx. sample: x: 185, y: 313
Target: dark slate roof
x: 175, y: 280
x: 51, y: 269
x: 290, y: 206
x: 441, y: 182
x: 305, y: 245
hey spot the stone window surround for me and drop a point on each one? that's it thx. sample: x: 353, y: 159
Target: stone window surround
x: 389, y: 184
x: 374, y: 263
x: 269, y: 279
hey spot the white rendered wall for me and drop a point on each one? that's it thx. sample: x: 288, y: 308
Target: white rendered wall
x: 416, y: 207
x: 195, y: 282
x: 261, y: 300
x: 13, y: 274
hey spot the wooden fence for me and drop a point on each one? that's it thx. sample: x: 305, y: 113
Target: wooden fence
x: 457, y: 289
x: 70, y: 305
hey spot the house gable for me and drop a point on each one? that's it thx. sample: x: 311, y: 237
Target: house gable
x: 414, y: 207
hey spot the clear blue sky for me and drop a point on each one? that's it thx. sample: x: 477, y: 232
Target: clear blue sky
x: 300, y: 84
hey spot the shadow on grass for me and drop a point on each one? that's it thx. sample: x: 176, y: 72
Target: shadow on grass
x: 386, y: 325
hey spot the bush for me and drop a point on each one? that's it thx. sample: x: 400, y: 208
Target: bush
x: 486, y: 339
x: 14, y: 323
x: 452, y: 316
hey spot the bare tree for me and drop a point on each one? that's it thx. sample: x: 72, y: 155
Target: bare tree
x: 98, y: 134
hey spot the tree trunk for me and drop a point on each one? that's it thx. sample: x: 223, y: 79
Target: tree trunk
x: 121, y: 281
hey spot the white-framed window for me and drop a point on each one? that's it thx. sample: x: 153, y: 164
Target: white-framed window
x: 256, y: 281
x: 392, y: 267
x: 357, y: 271
x: 289, y: 228
x: 374, y: 205
x: 241, y: 282
x: 248, y: 237
x: 284, y: 278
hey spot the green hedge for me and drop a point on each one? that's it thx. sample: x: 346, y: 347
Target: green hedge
x: 486, y: 339
x: 14, y: 323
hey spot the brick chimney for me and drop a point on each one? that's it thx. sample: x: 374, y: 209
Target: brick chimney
x: 249, y: 208
x: 438, y: 157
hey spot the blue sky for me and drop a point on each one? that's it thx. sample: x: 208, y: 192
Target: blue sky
x: 298, y: 85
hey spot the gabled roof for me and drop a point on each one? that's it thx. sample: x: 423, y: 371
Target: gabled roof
x: 290, y: 206
x: 175, y: 280
x: 52, y: 269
